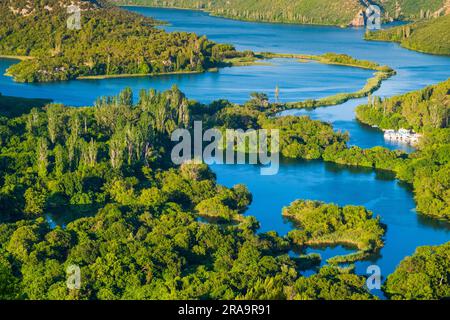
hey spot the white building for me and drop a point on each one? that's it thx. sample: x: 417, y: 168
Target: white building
x: 403, y: 136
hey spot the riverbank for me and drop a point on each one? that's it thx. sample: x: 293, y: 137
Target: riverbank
x: 263, y: 59
x: 403, y: 136
x: 139, y: 75
x: 12, y: 57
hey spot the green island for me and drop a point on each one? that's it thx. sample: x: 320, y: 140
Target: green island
x: 423, y: 276
x: 328, y: 224
x: 429, y: 36
x: 321, y: 12
x: 135, y: 47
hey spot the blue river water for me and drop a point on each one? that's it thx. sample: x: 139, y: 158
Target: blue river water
x: 315, y: 180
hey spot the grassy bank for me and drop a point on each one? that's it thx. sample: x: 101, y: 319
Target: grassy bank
x: 21, y: 58
x: 139, y: 75
x: 382, y: 73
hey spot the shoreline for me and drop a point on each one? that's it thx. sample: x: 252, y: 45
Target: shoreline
x: 141, y: 75
x: 320, y: 59
x: 12, y: 57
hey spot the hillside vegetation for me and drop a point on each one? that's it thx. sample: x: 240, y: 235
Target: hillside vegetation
x: 427, y: 170
x: 382, y: 73
x: 131, y: 217
x: 300, y: 11
x: 421, y: 110
x: 327, y: 12
x: 429, y: 36
x: 111, y: 41
x: 423, y: 276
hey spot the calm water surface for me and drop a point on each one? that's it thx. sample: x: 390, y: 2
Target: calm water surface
x: 316, y: 180
x: 297, y: 81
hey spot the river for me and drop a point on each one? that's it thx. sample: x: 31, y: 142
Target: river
x: 314, y: 180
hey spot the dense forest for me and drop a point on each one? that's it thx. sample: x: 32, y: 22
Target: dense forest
x: 382, y: 73
x: 95, y: 187
x: 423, y: 276
x: 132, y: 221
x: 111, y: 41
x: 429, y: 36
x: 326, y: 12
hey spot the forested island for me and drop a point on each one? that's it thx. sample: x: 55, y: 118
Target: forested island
x: 323, y: 12
x: 328, y: 224
x: 112, y: 42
